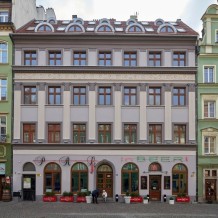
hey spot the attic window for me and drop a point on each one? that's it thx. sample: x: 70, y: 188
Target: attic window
x: 75, y: 28
x: 104, y: 28
x: 78, y: 20
x: 159, y: 22
x: 104, y: 20
x: 135, y: 29
x: 52, y: 21
x: 44, y: 28
x: 130, y: 21
x: 166, y: 29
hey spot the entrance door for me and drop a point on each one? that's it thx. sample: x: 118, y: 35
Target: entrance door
x: 105, y: 179
x: 155, y: 188
x: 29, y: 187
x: 210, y: 189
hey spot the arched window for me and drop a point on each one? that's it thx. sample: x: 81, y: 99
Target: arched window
x: 79, y: 21
x: 29, y: 167
x: 159, y: 22
x: 79, y: 177
x: 44, y: 28
x: 130, y: 178
x: 179, y: 179
x: 130, y: 21
x: 104, y: 28
x: 3, y: 52
x: 166, y: 29
x: 75, y: 28
x: 52, y: 178
x: 135, y: 29
x: 154, y: 167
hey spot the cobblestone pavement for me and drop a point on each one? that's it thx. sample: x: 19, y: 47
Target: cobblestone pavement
x: 23, y: 209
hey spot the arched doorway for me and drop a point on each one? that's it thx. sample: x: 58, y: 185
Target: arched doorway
x: 105, y: 179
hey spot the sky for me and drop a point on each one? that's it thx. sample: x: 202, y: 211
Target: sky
x: 189, y: 11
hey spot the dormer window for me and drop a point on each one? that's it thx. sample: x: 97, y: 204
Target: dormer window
x: 135, y: 29
x: 166, y: 28
x: 4, y: 16
x: 104, y: 28
x: 79, y: 21
x: 130, y: 21
x: 159, y: 22
x: 105, y: 21
x: 75, y: 28
x: 52, y: 21
x: 44, y: 27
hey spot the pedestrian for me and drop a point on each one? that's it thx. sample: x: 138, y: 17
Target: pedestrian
x: 95, y: 195
x: 104, y: 195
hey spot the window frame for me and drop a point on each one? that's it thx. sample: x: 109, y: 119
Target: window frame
x: 55, y: 95
x: 104, y: 59
x: 30, y: 130
x: 52, y: 132
x: 3, y: 89
x: 129, y: 60
x: 155, y: 95
x: 153, y: 131
x: 208, y: 112
x: 106, y: 132
x: 208, y: 74
x: 31, y: 59
x: 5, y: 18
x: 132, y: 128
x: 178, y: 96
x: 3, y: 128
x: 2, y: 52
x: 180, y: 61
x: 105, y: 95
x: 182, y: 129
x: 209, y: 144
x: 30, y: 95
x: 154, y: 60
x: 128, y: 96
x: 80, y: 59
x: 80, y: 95
x: 80, y: 131
x: 57, y: 60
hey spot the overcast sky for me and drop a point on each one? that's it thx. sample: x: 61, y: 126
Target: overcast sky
x: 189, y: 11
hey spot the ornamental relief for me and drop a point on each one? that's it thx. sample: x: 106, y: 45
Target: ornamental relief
x: 105, y: 77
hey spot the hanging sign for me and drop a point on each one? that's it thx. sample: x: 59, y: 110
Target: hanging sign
x: 2, y: 168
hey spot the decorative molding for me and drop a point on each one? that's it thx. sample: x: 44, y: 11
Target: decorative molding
x: 17, y: 86
x: 117, y: 87
x: 92, y: 86
x: 143, y: 86
x: 41, y: 86
x: 167, y: 87
x: 191, y: 87
x: 67, y: 86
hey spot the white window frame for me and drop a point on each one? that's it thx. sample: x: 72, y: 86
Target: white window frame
x: 1, y: 87
x: 211, y: 105
x: 5, y: 17
x: 210, y: 132
x: 216, y: 36
x: 211, y: 148
x: 1, y: 53
x: 3, y: 137
x: 208, y: 73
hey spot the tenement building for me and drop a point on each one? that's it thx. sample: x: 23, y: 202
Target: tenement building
x: 107, y: 104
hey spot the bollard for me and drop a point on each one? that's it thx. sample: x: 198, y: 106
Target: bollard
x: 164, y: 198
x: 148, y: 197
x: 116, y: 197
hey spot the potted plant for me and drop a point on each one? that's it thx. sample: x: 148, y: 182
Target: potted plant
x: 127, y: 198
x: 50, y: 197
x: 145, y: 200
x: 171, y: 200
x: 67, y: 197
x: 88, y: 197
x: 136, y: 198
x: 182, y: 197
x: 81, y: 197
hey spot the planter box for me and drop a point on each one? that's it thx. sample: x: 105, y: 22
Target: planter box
x: 49, y: 198
x: 66, y: 199
x: 136, y: 199
x: 127, y: 199
x: 88, y: 199
x: 80, y: 199
x: 171, y: 201
x: 183, y: 199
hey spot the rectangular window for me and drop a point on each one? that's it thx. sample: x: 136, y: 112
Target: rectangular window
x: 3, y: 130
x: 155, y: 133
x: 3, y: 89
x: 154, y: 59
x: 209, y: 145
x: 154, y: 96
x: 4, y: 16
x: 166, y: 182
x: 216, y: 36
x: 104, y: 96
x: 209, y: 109
x: 30, y: 58
x: 178, y: 96
x: 144, y: 182
x: 79, y: 58
x: 79, y: 95
x: 209, y: 76
x: 3, y: 53
x: 179, y: 59
x: 130, y: 133
x: 104, y: 133
x: 29, y: 95
x: 54, y: 58
x: 54, y: 95
x: 79, y: 133
x: 180, y: 134
x: 29, y: 133
x: 130, y: 59
x: 54, y: 133
x: 104, y: 59
x: 129, y: 96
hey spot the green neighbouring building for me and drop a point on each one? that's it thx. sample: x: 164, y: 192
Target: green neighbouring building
x: 6, y: 27
x: 208, y: 107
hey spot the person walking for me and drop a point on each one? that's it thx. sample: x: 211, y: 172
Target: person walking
x: 95, y: 195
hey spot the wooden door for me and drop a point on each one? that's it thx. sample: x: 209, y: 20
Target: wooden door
x: 210, y: 189
x: 155, y: 187
x: 105, y: 182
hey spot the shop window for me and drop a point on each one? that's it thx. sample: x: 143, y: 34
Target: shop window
x: 104, y: 95
x: 3, y: 89
x: 130, y: 178
x: 29, y: 167
x: 79, y: 133
x: 130, y: 96
x: 155, y: 133
x: 130, y: 59
x: 29, y: 133
x: 154, y: 96
x: 30, y: 58
x: 54, y: 133
x: 52, y: 178
x: 104, y: 133
x: 79, y: 95
x: 79, y: 176
x: 179, y: 134
x: 179, y: 179
x: 3, y: 53
x: 29, y: 95
x: 179, y: 96
x: 130, y: 133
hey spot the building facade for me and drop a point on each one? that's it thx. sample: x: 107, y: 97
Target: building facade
x: 107, y: 104
x: 208, y: 107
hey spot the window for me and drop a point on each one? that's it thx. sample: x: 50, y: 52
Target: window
x: 154, y: 96
x: 167, y: 29
x: 79, y: 177
x: 3, y: 128
x: 29, y: 95
x: 130, y: 178
x: 179, y: 59
x: 135, y: 28
x: 166, y: 182
x: 130, y: 59
x: 75, y: 28
x: 79, y: 133
x: 179, y: 179
x: 209, y: 109
x: 79, y: 95
x: 179, y: 134
x: 29, y: 133
x: 44, y: 28
x: 3, y: 89
x: 178, y: 96
x: 104, y: 133
x: 104, y: 28
x: 79, y: 58
x: 154, y: 167
x: 54, y: 58
x: 104, y: 59
x: 52, y: 178
x: 155, y: 133
x: 209, y: 76
x: 154, y: 59
x: 54, y: 95
x: 54, y: 133
x: 130, y: 133
x: 209, y: 145
x: 129, y: 96
x: 216, y: 36
x: 3, y: 53
x: 30, y: 58
x: 4, y: 16
x: 104, y: 96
